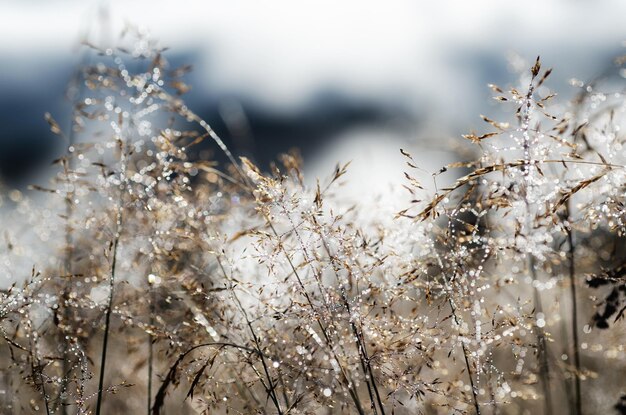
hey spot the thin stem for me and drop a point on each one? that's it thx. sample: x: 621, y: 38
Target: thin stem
x: 564, y: 332
x: 150, y: 349
x: 271, y: 389
x: 358, y: 334
x: 467, y: 363
x: 37, y: 370
x: 160, y: 395
x: 107, y: 322
x: 349, y: 384
x: 190, y: 115
x: 69, y: 165
x: 492, y: 396
x: 526, y: 110
x: 572, y: 272
x: 46, y: 400
x: 544, y: 366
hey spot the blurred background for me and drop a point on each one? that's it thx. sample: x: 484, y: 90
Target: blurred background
x: 341, y: 81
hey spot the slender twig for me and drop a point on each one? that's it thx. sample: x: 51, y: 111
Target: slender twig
x: 467, y: 362
x: 150, y: 348
x: 565, y: 350
x: 160, y: 395
x: 45, y: 394
x: 271, y: 389
x: 358, y: 339
x: 471, y: 378
x: 370, y: 380
x: 348, y: 383
x: 46, y: 399
x: 37, y: 369
x: 449, y: 289
x: 68, y: 166
x: 526, y: 109
x: 107, y: 322
x: 572, y: 280
x: 544, y: 366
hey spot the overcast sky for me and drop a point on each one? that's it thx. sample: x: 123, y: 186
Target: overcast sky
x: 281, y: 51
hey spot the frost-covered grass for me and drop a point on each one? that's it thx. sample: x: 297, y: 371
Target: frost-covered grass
x: 157, y: 281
